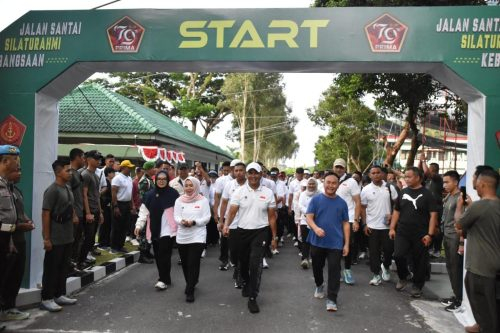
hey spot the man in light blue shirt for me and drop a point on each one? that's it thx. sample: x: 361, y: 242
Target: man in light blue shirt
x: 328, y: 217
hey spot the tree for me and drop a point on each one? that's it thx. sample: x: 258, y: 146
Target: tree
x: 407, y: 96
x: 351, y: 129
x: 262, y: 121
x: 193, y: 96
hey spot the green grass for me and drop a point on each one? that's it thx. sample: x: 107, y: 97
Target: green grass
x: 106, y: 256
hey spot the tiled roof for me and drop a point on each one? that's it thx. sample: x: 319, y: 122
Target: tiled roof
x: 91, y: 108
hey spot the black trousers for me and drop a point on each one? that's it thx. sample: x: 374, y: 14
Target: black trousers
x: 55, y: 269
x: 5, y: 258
x: 77, y: 239
x: 304, y: 245
x: 163, y: 255
x: 360, y: 242
x: 191, y: 257
x: 120, y: 226
x: 379, y: 242
x: 482, y: 297
x: 291, y: 226
x: 105, y: 227
x: 282, y: 221
x: 88, y: 241
x: 319, y: 256
x: 224, y: 250
x: 348, y: 258
x: 212, y: 232
x: 12, y: 276
x: 234, y: 243
x: 405, y: 245
x: 253, y: 243
x: 454, y: 264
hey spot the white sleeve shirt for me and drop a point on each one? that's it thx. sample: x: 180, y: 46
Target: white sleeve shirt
x: 253, y: 206
x: 124, y: 184
x: 378, y: 205
x: 228, y: 192
x: 198, y: 211
x: 346, y: 191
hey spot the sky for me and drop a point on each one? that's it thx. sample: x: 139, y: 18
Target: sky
x: 303, y: 90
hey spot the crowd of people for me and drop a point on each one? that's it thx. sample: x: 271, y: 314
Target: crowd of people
x: 249, y: 210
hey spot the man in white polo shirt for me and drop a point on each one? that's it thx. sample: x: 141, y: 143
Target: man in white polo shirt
x: 377, y: 200
x: 123, y: 206
x: 255, y: 205
x: 350, y: 192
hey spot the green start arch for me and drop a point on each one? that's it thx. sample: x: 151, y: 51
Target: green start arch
x: 45, y: 54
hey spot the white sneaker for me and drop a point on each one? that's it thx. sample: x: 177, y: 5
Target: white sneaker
x: 386, y: 274
x: 91, y: 257
x: 319, y: 292
x: 160, y: 285
x: 264, y: 263
x: 64, y: 300
x: 128, y: 239
x: 376, y: 280
x: 296, y: 244
x: 362, y: 255
x: 304, y: 264
x: 50, y: 305
x: 204, y: 253
x: 134, y: 242
x: 13, y: 314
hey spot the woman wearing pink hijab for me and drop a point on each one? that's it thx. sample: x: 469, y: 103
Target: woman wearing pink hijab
x: 191, y: 213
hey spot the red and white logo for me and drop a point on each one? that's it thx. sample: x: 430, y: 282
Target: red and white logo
x: 386, y: 34
x: 125, y: 36
x: 12, y: 131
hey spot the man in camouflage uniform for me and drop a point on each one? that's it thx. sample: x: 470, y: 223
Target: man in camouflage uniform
x: 145, y: 184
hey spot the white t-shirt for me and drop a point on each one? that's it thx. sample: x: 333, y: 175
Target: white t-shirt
x: 198, y: 211
x: 177, y: 184
x: 269, y: 184
x: 294, y: 187
x: 212, y: 195
x: 205, y: 189
x: 346, y: 191
x: 124, y: 184
x: 378, y: 205
x: 253, y: 206
x: 302, y: 205
x: 221, y: 182
x: 228, y: 192
x: 321, y: 186
x: 281, y: 191
x: 102, y: 178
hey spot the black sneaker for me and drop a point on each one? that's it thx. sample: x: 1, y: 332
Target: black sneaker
x: 415, y: 292
x: 453, y: 306
x: 245, y: 290
x: 253, y: 306
x: 448, y: 301
x: 145, y: 260
x: 190, y: 298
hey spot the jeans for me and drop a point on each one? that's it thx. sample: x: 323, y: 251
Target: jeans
x: 163, y: 255
x: 405, y: 245
x: 55, y: 269
x: 379, y: 242
x: 253, y: 243
x: 191, y: 257
x: 319, y: 255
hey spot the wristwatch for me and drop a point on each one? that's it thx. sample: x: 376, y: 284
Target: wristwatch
x: 194, y: 222
x: 276, y: 238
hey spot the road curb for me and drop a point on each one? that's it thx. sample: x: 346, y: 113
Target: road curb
x: 74, y: 283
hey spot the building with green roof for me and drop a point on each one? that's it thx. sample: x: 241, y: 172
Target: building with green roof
x: 93, y: 117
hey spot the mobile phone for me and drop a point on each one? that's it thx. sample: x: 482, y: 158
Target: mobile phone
x: 464, y: 192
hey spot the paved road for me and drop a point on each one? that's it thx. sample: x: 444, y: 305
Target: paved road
x: 127, y: 302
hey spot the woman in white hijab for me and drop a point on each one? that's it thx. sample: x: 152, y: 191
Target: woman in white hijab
x: 191, y: 213
x: 305, y: 197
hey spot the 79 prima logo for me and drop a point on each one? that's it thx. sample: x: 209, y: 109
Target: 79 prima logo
x: 386, y: 34
x: 125, y: 36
